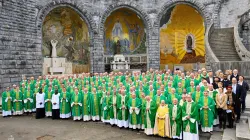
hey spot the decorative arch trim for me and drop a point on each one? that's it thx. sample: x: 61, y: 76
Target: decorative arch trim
x: 77, y: 7
x: 195, y: 4
x: 131, y: 6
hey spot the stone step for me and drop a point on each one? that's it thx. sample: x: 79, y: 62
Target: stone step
x: 248, y: 120
x: 242, y: 130
x: 229, y: 134
x: 246, y: 113
x: 222, y: 43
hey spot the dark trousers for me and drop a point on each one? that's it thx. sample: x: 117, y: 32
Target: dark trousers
x: 55, y: 114
x: 243, y: 103
x: 230, y: 120
x: 237, y: 110
x: 40, y: 113
x: 222, y: 117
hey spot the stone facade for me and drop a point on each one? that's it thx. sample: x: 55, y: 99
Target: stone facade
x: 21, y: 35
x: 230, y: 10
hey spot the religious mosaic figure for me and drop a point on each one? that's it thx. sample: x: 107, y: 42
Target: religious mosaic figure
x: 118, y: 47
x: 117, y: 30
x: 189, y: 43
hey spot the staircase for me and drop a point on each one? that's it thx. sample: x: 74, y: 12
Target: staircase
x: 243, y: 128
x: 222, y: 44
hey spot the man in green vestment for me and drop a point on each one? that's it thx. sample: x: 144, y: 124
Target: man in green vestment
x: 76, y: 105
x: 173, y: 95
x: 175, y: 119
x: 122, y: 116
x: 64, y: 104
x: 212, y: 93
x: 86, y: 105
x: 197, y: 94
x: 158, y: 97
x: 191, y: 89
x: 28, y: 100
x: 94, y: 101
x: 206, y: 105
x: 134, y: 107
x: 7, y: 103
x: 190, y: 119
x: 183, y: 99
x: 115, y: 101
x: 17, y: 102
x: 48, y: 103
x: 149, y: 115
x: 106, y: 107
x: 179, y: 89
x: 35, y: 91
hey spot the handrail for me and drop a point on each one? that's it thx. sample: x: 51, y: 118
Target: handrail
x: 212, y: 57
x: 240, y: 48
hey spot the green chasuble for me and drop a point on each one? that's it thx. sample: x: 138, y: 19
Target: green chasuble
x: 7, y: 101
x: 17, y: 100
x: 35, y: 91
x: 76, y: 104
x: 175, y: 119
x: 64, y: 103
x: 95, y: 104
x: 204, y: 88
x: 172, y: 96
x: 106, y: 107
x: 196, y: 96
x: 206, y: 115
x: 28, y: 100
x: 149, y: 116
x: 157, y: 99
x: 190, y: 109
x: 151, y: 93
x: 179, y: 91
x: 191, y: 90
x: 213, y: 94
x: 48, y: 103
x: 85, y: 103
x: 143, y: 111
x: 123, y: 113
x: 134, y: 115
x: 115, y: 99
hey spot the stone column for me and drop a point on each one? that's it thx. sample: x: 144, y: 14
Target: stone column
x: 154, y: 49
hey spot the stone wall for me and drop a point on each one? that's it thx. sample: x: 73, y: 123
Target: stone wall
x: 230, y: 10
x: 21, y: 23
x: 245, y: 34
x: 20, y: 51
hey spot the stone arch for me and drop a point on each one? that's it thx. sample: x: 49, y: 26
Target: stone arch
x: 133, y: 7
x: 78, y: 8
x: 195, y: 4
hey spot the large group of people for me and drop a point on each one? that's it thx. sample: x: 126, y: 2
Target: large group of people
x: 168, y: 104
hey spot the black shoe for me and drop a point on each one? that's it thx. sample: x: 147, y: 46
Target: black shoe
x: 237, y: 121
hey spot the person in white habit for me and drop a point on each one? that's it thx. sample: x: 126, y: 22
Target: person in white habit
x: 55, y: 105
x: 40, y: 110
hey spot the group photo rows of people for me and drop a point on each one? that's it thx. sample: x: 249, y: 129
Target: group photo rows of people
x: 171, y: 104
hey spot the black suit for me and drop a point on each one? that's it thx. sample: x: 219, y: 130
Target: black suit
x: 245, y: 88
x: 232, y: 76
x: 226, y: 83
x: 237, y: 107
x: 208, y: 80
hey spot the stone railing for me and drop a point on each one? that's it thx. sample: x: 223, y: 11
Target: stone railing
x: 240, y: 48
x: 210, y: 56
x: 132, y: 59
